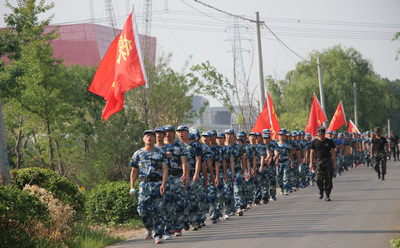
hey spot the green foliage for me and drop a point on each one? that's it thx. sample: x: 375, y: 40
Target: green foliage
x: 397, y: 37
x: 395, y: 243
x: 111, y: 203
x: 61, y: 188
x: 213, y: 84
x: 84, y: 236
x: 20, y: 212
x: 23, y: 27
x: 341, y: 68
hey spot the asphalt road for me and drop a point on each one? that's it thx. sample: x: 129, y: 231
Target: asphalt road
x: 364, y: 212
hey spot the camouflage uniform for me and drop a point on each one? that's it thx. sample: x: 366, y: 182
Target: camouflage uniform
x: 380, y: 156
x: 220, y: 187
x: 176, y: 193
x: 151, y: 204
x: 228, y: 186
x: 324, y: 173
x: 249, y: 186
x: 237, y: 152
x: 283, y: 173
x: 367, y: 155
x: 261, y: 180
x: 304, y: 167
x: 211, y: 188
x: 193, y: 151
x: 203, y: 199
x: 271, y: 173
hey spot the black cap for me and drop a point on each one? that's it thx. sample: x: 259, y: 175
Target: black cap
x: 321, y: 130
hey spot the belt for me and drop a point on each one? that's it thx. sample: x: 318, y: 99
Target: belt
x: 283, y: 160
x: 238, y: 169
x: 151, y: 179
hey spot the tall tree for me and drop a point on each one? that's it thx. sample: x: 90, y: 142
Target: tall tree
x: 341, y: 68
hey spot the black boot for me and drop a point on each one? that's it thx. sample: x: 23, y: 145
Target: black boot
x: 383, y: 177
x: 379, y: 175
x: 328, y: 193
x: 321, y: 193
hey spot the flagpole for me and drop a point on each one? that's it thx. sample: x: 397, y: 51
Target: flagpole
x: 321, y: 90
x: 260, y: 64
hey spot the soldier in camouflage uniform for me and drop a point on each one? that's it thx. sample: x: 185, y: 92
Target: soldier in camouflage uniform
x: 284, y: 161
x: 304, y: 150
x: 271, y: 166
x: 151, y: 165
x: 205, y: 162
x: 379, y: 152
x: 228, y: 166
x: 340, y: 153
x: 367, y: 148
x: 178, y: 180
x: 310, y: 174
x: 194, y: 163
x: 212, y: 176
x: 239, y: 156
x: 251, y: 163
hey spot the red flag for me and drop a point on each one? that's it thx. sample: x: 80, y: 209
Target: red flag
x: 267, y: 119
x: 339, y: 118
x: 121, y: 69
x: 353, y: 128
x: 316, y: 118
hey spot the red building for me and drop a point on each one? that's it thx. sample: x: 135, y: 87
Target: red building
x: 86, y: 44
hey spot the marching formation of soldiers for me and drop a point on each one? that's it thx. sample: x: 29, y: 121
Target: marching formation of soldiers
x: 224, y: 174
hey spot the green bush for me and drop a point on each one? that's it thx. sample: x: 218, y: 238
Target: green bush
x: 62, y: 189
x: 111, y: 203
x: 20, y: 212
x: 395, y: 243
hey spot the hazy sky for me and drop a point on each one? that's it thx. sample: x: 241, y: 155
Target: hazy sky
x: 186, y: 28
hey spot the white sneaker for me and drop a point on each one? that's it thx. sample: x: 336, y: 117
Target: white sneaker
x: 158, y: 240
x: 227, y: 216
x: 248, y: 206
x: 167, y: 237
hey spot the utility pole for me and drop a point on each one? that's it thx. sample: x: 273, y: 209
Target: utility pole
x: 260, y: 64
x: 4, y: 164
x: 355, y: 104
x: 321, y: 90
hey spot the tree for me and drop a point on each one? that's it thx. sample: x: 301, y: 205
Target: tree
x: 167, y: 100
x: 23, y: 27
x: 397, y: 37
x: 208, y: 81
x: 340, y: 69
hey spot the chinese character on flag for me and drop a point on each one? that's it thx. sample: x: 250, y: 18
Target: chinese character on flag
x: 353, y: 128
x: 316, y: 118
x: 339, y: 118
x: 121, y: 69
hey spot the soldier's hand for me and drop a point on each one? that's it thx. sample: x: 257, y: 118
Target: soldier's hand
x: 233, y: 178
x: 162, y: 189
x: 183, y: 178
x: 216, y: 181
x: 195, y: 178
x: 187, y: 183
x: 225, y: 179
x: 261, y: 169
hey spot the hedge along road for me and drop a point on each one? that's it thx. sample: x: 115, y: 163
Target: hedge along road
x: 364, y: 212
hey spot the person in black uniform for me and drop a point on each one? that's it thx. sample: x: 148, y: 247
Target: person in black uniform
x: 323, y: 150
x: 379, y: 151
